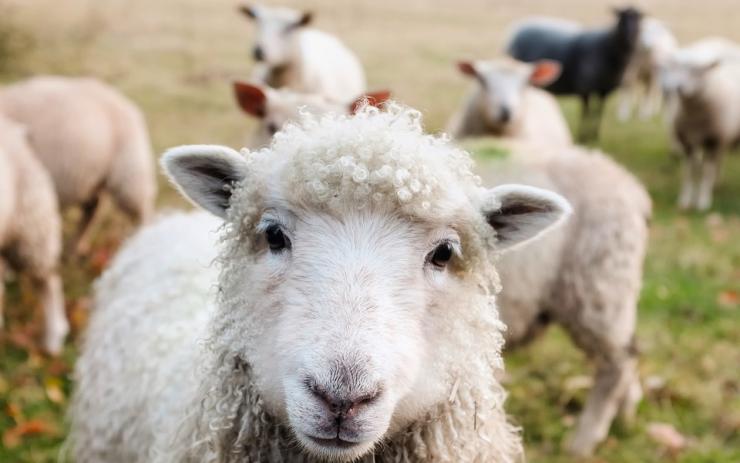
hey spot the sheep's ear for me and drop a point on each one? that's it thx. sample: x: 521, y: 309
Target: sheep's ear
x: 304, y: 20
x: 248, y: 11
x: 467, y: 68
x: 545, y: 72
x: 371, y: 98
x: 251, y: 98
x: 519, y: 213
x: 205, y: 174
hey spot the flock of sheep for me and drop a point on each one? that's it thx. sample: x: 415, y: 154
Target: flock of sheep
x: 348, y: 293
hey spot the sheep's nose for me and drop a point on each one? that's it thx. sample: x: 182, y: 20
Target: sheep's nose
x: 505, y: 115
x: 258, y: 54
x: 342, y: 404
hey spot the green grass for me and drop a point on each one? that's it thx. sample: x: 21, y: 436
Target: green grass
x: 176, y: 58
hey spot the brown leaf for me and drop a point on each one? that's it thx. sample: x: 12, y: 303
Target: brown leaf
x: 728, y: 299
x: 13, y: 436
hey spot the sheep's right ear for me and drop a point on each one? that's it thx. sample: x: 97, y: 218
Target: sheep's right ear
x: 545, y: 72
x: 248, y: 11
x: 376, y: 99
x: 467, y: 68
x: 205, y: 174
x: 251, y: 98
x: 519, y: 213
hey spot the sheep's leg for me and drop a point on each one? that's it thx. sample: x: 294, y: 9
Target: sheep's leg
x: 633, y: 396
x: 614, y: 379
x: 85, y: 226
x: 2, y: 293
x: 709, y: 173
x: 652, y: 98
x: 627, y: 100
x: 585, y: 112
x: 55, y: 319
x: 691, y: 169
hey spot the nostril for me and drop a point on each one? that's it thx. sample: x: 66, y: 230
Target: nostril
x: 505, y: 114
x: 342, y: 404
x: 258, y: 54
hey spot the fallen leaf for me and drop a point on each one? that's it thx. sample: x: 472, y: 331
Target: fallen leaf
x: 666, y: 435
x: 728, y: 299
x: 575, y: 383
x: 53, y: 388
x: 13, y: 436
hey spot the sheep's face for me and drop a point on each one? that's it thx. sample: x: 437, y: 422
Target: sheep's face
x: 275, y: 32
x: 358, y: 298
x: 685, y: 77
x: 628, y: 26
x: 503, y: 83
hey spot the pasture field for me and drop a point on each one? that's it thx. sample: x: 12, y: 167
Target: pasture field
x: 176, y: 58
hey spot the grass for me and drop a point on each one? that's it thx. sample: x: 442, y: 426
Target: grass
x: 176, y: 58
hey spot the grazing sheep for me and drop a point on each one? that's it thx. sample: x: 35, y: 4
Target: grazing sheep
x: 703, y: 81
x: 30, y: 229
x: 289, y: 54
x: 503, y: 103
x: 641, y: 83
x: 585, y: 276
x: 275, y: 107
x: 354, y: 317
x: 593, y: 62
x: 91, y: 140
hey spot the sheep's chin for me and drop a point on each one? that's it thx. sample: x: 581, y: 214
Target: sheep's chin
x: 336, y: 450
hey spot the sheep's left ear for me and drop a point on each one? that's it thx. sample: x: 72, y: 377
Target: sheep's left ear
x: 304, y: 20
x: 545, y: 72
x: 205, y: 174
x: 519, y: 213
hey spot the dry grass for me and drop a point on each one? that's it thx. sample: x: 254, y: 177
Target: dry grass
x: 176, y: 58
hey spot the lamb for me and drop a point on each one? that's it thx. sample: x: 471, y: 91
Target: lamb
x: 354, y: 318
x: 593, y: 61
x: 503, y: 103
x: 585, y: 276
x: 275, y: 107
x: 291, y: 55
x: 91, y: 139
x: 704, y: 82
x: 642, y: 78
x: 30, y: 229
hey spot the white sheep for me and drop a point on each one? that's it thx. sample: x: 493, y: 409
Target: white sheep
x: 91, y: 139
x: 290, y: 54
x: 273, y: 108
x: 585, y: 276
x: 30, y: 229
x: 703, y: 81
x: 505, y: 103
x: 352, y: 316
x: 641, y: 83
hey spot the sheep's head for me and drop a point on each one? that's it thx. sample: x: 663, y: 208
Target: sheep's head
x: 502, y: 85
x: 273, y: 108
x: 684, y: 73
x: 358, y: 270
x: 276, y: 28
x: 628, y: 26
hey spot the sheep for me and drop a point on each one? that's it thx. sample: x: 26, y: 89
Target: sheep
x: 291, y: 55
x: 354, y: 317
x: 593, y: 61
x: 503, y: 102
x: 585, y: 276
x: 275, y: 107
x: 703, y: 81
x: 91, y: 139
x: 30, y: 229
x: 641, y: 81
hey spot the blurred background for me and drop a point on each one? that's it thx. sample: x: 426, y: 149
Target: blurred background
x: 176, y: 59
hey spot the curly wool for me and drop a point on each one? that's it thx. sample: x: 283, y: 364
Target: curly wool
x: 384, y: 161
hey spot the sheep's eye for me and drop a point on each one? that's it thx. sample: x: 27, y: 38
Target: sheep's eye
x: 276, y: 239
x: 441, y: 255
x: 272, y: 128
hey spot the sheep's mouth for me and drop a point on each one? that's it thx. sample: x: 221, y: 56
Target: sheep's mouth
x: 334, y: 443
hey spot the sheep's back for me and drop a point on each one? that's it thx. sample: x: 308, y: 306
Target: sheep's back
x: 139, y: 363
x: 70, y: 131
